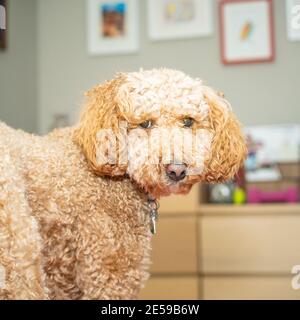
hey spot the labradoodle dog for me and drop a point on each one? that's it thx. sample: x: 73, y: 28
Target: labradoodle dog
x: 74, y: 204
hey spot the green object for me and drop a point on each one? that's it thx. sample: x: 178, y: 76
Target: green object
x: 239, y: 196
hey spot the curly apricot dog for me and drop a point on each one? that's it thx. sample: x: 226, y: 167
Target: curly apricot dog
x: 74, y: 216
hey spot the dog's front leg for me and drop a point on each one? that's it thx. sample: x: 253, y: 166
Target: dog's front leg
x: 21, y: 273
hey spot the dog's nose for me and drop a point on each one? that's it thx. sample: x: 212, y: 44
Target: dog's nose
x: 176, y: 172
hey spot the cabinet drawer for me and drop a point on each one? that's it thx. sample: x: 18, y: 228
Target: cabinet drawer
x: 272, y: 288
x: 181, y: 204
x: 172, y: 288
x: 250, y: 244
x: 174, y: 246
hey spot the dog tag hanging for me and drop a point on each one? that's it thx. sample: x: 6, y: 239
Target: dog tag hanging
x: 153, y: 204
x: 153, y: 219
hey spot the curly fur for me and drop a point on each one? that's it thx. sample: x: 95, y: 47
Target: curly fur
x: 71, y: 228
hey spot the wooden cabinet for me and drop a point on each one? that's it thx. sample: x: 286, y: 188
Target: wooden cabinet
x: 259, y: 287
x: 250, y: 244
x: 175, y: 246
x: 224, y: 252
x: 171, y: 288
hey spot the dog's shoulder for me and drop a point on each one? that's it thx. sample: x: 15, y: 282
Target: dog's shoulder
x: 61, y: 140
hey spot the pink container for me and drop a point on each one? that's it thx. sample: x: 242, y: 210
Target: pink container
x: 254, y: 195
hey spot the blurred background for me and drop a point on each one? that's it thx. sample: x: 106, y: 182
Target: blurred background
x: 231, y: 241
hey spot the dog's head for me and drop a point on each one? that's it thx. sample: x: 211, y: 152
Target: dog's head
x: 164, y: 129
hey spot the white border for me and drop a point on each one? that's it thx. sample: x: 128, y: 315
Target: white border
x: 293, y: 35
x: 127, y: 44
x: 236, y: 14
x: 192, y: 29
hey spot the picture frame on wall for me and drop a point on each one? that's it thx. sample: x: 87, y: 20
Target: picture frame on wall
x: 293, y: 19
x: 112, y: 27
x: 246, y: 31
x: 3, y: 24
x: 179, y: 19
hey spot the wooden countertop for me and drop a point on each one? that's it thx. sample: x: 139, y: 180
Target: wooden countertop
x: 249, y: 209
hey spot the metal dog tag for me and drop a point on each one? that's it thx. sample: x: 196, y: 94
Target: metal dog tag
x: 153, y: 219
x: 153, y: 206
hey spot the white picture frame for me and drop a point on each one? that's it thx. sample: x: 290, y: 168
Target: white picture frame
x: 179, y: 19
x: 293, y: 19
x: 119, y: 33
x: 247, y: 31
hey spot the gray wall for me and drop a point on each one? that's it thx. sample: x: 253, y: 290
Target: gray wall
x: 260, y: 93
x: 18, y: 72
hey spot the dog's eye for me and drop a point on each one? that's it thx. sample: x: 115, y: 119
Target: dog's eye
x: 188, y: 122
x: 146, y: 124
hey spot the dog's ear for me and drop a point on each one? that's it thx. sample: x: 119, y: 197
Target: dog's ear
x: 228, y: 148
x: 101, y: 114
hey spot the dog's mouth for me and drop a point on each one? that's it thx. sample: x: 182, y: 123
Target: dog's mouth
x: 164, y: 183
x: 182, y: 186
x: 170, y: 187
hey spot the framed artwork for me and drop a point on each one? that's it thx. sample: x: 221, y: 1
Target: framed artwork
x: 3, y: 24
x: 175, y: 19
x: 293, y: 19
x: 247, y: 31
x: 112, y: 26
